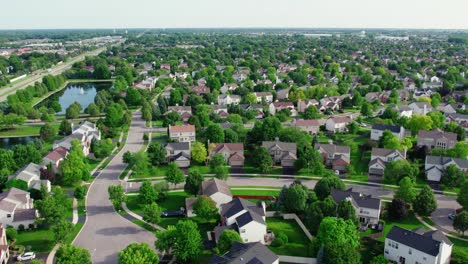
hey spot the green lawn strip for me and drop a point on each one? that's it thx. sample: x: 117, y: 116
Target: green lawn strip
x: 410, y: 223
x: 93, y: 163
x: 69, y: 208
x: 81, y: 207
x: 40, y: 240
x: 76, y: 230
x: 255, y: 192
x: 428, y: 220
x: 298, y: 244
x: 24, y: 130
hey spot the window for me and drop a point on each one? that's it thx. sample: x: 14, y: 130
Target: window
x: 409, y: 251
x: 386, y: 251
x: 396, y: 245
x: 424, y: 258
x: 8, y: 215
x: 242, y: 230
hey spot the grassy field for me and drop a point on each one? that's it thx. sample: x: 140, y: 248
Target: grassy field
x: 256, y: 192
x: 24, y: 130
x: 298, y: 244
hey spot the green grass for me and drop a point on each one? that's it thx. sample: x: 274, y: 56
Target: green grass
x: 81, y: 207
x: 409, y: 223
x: 40, y: 240
x: 92, y: 163
x: 174, y: 201
x: 24, y: 130
x: 370, y: 248
x: 256, y: 192
x: 298, y: 243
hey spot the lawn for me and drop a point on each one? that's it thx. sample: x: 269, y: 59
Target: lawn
x: 174, y: 201
x: 40, y: 240
x: 24, y: 130
x: 410, y: 222
x: 298, y: 244
x: 158, y: 171
x: 256, y: 192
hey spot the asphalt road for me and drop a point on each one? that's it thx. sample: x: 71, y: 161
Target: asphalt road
x: 105, y: 232
x: 31, y: 79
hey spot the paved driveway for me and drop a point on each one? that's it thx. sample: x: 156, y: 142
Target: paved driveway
x: 105, y: 232
x: 445, y: 206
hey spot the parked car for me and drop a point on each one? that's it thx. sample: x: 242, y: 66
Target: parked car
x: 177, y: 213
x: 451, y: 216
x: 26, y: 256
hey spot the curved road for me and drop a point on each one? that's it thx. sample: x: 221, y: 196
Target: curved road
x: 105, y: 232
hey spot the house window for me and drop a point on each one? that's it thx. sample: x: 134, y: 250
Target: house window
x: 8, y: 215
x: 424, y: 258
x: 386, y: 251
x: 396, y: 245
x: 242, y: 231
x: 409, y: 251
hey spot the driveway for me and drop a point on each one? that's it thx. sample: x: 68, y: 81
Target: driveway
x: 445, y: 206
x: 105, y: 232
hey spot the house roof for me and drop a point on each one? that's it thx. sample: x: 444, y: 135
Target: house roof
x: 360, y: 199
x: 382, y: 127
x: 383, y: 152
x: 248, y: 217
x: 439, y: 160
x: 15, y: 194
x: 238, y: 205
x: 437, y: 134
x: 181, y: 129
x: 24, y: 215
x: 178, y: 146
x: 28, y: 172
x: 284, y: 146
x: 427, y: 242
x: 338, y: 120
x: 212, y: 186
x: 57, y: 154
x: 283, y: 104
x: 306, y: 122
x: 232, y: 147
x: 333, y: 149
x: 182, y: 156
x: 248, y: 253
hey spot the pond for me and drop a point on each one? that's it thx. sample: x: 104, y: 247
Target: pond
x: 8, y: 143
x: 83, y: 93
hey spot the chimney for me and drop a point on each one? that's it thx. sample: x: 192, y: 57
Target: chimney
x: 277, y: 139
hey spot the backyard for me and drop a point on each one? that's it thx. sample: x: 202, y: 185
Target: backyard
x: 298, y: 243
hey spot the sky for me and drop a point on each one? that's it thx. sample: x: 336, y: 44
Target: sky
x: 58, y: 14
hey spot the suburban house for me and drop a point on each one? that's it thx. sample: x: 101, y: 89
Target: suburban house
x: 220, y: 110
x: 217, y: 190
x: 31, y: 174
x: 249, y: 253
x: 257, y: 108
x: 378, y: 130
x: 184, y: 133
x: 278, y: 106
x: 435, y: 166
x: 302, y: 105
x: 367, y: 208
x: 460, y: 119
x: 185, y: 112
x: 420, y: 108
x: 178, y: 152
x: 228, y: 99
x: 4, y: 249
x: 281, y: 152
x: 403, y: 110
x: 436, y: 138
x: 229, y: 87
x: 165, y: 66
x: 245, y: 217
x: 337, y: 124
x: 417, y: 246
x: 282, y: 94
x: 266, y: 97
x: 55, y: 157
x: 147, y: 84
x: 200, y: 90
x: 310, y: 126
x: 338, y: 157
x: 447, y: 108
x: 84, y: 133
x: 233, y: 153
x: 17, y: 208
x: 381, y: 156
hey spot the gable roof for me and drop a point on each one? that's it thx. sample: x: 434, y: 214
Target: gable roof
x: 333, y: 149
x: 238, y: 205
x: 440, y: 160
x: 284, y: 146
x: 181, y: 129
x: 28, y: 172
x: 212, y: 186
x: 248, y: 253
x: 178, y: 146
x: 360, y: 199
x: 57, y: 154
x: 232, y: 147
x: 338, y: 120
x: 392, y: 128
x: 383, y: 152
x: 426, y: 242
x: 437, y: 134
x: 306, y: 122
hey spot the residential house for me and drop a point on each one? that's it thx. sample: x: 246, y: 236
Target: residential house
x: 310, y: 126
x: 4, y: 249
x: 185, y: 112
x: 217, y: 190
x: 55, y: 157
x: 165, y: 66
x: 336, y: 156
x: 281, y: 152
x: 436, y: 165
x: 84, y: 133
x: 31, y: 174
x: 248, y: 253
x: 229, y: 87
x: 337, y: 124
x: 367, y: 208
x: 420, y: 108
x: 178, y: 152
x: 278, y: 106
x: 266, y: 97
x: 185, y: 133
x: 221, y: 111
x: 302, y: 105
x: 147, y: 84
x: 380, y: 157
x: 447, y: 108
x: 181, y: 75
x: 228, y: 99
x: 257, y: 108
x: 332, y: 102
x: 378, y: 130
x: 17, y: 208
x: 245, y: 217
x: 417, y: 246
x: 200, y: 90
x: 233, y: 153
x: 436, y: 138
x: 460, y: 119
x: 403, y: 110
x: 282, y: 94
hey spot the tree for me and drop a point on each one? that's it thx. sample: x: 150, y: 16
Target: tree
x: 419, y: 122
x: 53, y: 208
x: 147, y: 194
x: 311, y: 159
x: 74, y: 167
x: 11, y: 233
x: 296, y: 198
x: 227, y: 238
x: 133, y: 97
x: 152, y: 213
x: 311, y: 113
x: 425, y: 203
x: 17, y: 183
x: 406, y: 191
x: 80, y: 192
x: 65, y: 128
x: 184, y: 239
x: 47, y: 132
x: 70, y: 254
x: 221, y: 172
x: 217, y: 160
x: 214, y: 133
x: 62, y: 231
x: 263, y: 160
x: 344, y: 254
x: 366, y: 109
x: 174, y: 174
x: 398, y: 169
x: 398, y: 209
x: 114, y: 115
x: 156, y: 153
x: 193, y: 182
x: 453, y: 177
x: 337, y: 232
x: 138, y: 254
x: 198, y: 152
x: 379, y: 259
x: 389, y: 141
x: 101, y: 71
x: 171, y: 119
x: 346, y: 211
x: 460, y: 223
x: 92, y: 110
x: 251, y: 98
x: 352, y: 127
x: 73, y: 111
x: 116, y: 195
x: 462, y: 198
x: 326, y: 184
x: 205, y: 208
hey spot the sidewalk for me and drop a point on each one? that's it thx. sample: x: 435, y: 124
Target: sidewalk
x: 440, y: 229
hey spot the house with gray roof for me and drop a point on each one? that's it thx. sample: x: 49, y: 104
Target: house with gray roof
x: 178, y: 152
x: 233, y: 153
x: 380, y: 157
x: 31, y: 174
x: 214, y: 188
x: 84, y: 133
x: 17, y: 208
x: 436, y: 138
x: 417, y: 246
x: 460, y: 119
x: 420, y: 108
x: 256, y: 108
x: 367, y: 208
x: 435, y: 166
x: 246, y: 253
x: 336, y: 156
x: 281, y: 152
x: 378, y: 130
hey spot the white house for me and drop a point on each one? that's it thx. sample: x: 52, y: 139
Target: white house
x: 420, y: 108
x: 178, y: 152
x: 381, y: 156
x: 84, y: 133
x: 337, y: 124
x: 435, y: 166
x: 228, y: 99
x: 31, y: 174
x: 229, y: 87
x: 378, y: 130
x: 302, y: 105
x: 367, y: 208
x: 267, y: 96
x: 17, y: 208
x: 4, y: 250
x: 310, y: 126
x: 278, y: 106
x: 417, y: 246
x: 185, y: 133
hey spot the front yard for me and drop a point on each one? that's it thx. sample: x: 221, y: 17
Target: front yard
x: 298, y: 244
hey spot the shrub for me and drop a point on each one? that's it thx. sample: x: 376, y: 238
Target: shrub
x: 80, y: 192
x: 280, y: 240
x: 283, y: 237
x: 21, y: 227
x: 31, y: 226
x: 11, y: 233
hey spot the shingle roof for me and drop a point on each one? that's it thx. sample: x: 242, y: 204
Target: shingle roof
x: 212, y: 186
x: 334, y: 149
x: 15, y: 194
x: 383, y: 152
x: 179, y: 129
x: 307, y: 122
x: 439, y: 160
x: 361, y: 200
x: 57, y: 154
x: 249, y: 253
x: 437, y: 134
x: 285, y: 146
x: 24, y: 215
x: 382, y: 127
x: 237, y: 205
x: 178, y: 146
x: 425, y: 242
x: 248, y: 217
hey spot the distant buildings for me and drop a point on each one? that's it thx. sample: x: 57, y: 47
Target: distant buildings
x: 338, y: 157
x: 281, y: 152
x: 378, y: 130
x: 381, y: 156
x: 436, y: 165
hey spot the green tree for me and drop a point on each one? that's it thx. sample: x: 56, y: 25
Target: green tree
x: 193, y: 182
x: 11, y: 233
x: 73, y: 111
x: 214, y: 133
x: 453, y: 177
x: 116, y: 195
x: 101, y: 71
x: 138, y: 254
x: 184, y: 239
x: 72, y: 255
x: 460, y: 223
x: 62, y: 231
x: 366, y: 109
x: 47, y: 132
x: 343, y: 254
x: 263, y: 160
x: 18, y: 184
x: 379, y: 259
x: 352, y: 127
x: 114, y: 116
x: 326, y: 184
x: 156, y: 153
x: 425, y: 203
x: 52, y: 209
x: 251, y: 98
x: 346, y: 211
x: 80, y: 192
x: 337, y: 232
x: 140, y: 163
x: 398, y: 209
x: 462, y: 197
x: 398, y: 169
x: 419, y: 122
x: 174, y: 174
x: 74, y: 167
x: 65, y: 128
x: 311, y: 113
x: 406, y: 191
x: 296, y: 198
x: 389, y: 140
x: 205, y: 208
x: 147, y: 194
x: 227, y: 238
x: 152, y: 213
x: 217, y: 160
x: 311, y: 159
x: 92, y: 110
x: 198, y: 152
